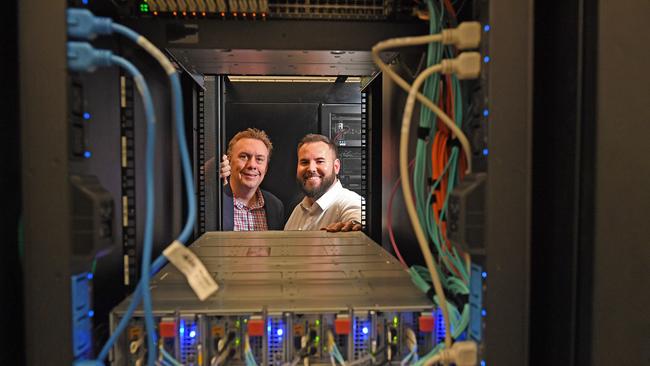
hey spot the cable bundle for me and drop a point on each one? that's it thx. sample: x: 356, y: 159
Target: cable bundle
x: 439, y: 164
x: 248, y: 354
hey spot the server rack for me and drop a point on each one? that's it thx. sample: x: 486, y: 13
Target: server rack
x: 47, y: 224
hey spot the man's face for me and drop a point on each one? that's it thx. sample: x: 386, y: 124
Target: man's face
x: 317, y: 169
x: 249, y: 160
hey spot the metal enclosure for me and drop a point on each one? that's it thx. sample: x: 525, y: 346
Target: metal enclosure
x: 508, y: 204
x: 282, y: 278
x: 290, y: 271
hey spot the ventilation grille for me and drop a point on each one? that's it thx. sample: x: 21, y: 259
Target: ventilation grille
x: 361, y: 330
x: 439, y: 324
x: 276, y: 334
x: 257, y: 348
x: 188, y: 339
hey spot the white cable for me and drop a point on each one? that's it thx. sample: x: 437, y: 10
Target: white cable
x: 157, y: 54
x: 408, y: 197
x: 414, y: 41
x: 463, y: 353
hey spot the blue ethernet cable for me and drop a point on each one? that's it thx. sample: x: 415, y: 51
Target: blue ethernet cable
x: 83, y: 57
x: 83, y: 24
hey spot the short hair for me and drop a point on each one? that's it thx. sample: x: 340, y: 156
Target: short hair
x: 251, y: 133
x: 312, y: 137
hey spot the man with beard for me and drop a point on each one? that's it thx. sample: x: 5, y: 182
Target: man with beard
x: 327, y: 205
x: 246, y: 206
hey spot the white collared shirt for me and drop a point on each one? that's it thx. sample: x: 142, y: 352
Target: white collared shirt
x: 338, y: 204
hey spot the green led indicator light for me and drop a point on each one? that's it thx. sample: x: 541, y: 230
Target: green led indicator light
x: 395, y: 320
x: 237, y: 341
x: 237, y: 324
x: 317, y: 340
x: 317, y: 322
x: 245, y: 321
x: 395, y: 339
x: 144, y: 7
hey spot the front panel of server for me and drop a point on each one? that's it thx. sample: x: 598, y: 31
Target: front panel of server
x: 286, y: 338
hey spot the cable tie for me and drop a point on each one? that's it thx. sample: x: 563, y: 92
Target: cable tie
x: 423, y: 132
x: 454, y: 142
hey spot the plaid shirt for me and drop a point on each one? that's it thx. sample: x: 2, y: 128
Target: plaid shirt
x: 250, y: 218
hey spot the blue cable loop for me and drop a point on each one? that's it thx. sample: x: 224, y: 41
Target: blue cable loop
x: 161, y: 261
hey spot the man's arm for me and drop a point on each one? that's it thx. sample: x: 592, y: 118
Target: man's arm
x: 350, y: 217
x: 352, y: 225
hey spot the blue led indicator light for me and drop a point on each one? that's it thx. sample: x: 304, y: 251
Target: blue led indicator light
x: 192, y: 334
x: 486, y: 112
x: 486, y: 59
x: 86, y: 115
x: 364, y: 330
x: 268, y: 328
x: 85, y: 2
x: 486, y: 28
x: 91, y: 314
x: 485, y: 151
x: 89, y: 276
x: 87, y: 154
x: 280, y: 332
x: 482, y: 362
x: 181, y: 329
x: 484, y: 274
x: 483, y: 312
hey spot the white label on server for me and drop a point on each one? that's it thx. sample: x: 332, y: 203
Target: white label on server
x: 191, y: 266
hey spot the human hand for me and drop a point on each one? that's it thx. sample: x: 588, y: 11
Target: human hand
x: 352, y: 225
x: 224, y: 169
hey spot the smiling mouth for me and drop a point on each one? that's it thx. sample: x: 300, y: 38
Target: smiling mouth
x: 312, y: 178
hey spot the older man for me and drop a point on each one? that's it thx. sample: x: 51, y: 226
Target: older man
x: 246, y: 206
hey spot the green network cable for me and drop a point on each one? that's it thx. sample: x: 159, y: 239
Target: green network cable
x: 422, y: 159
x: 432, y: 227
x: 423, y: 196
x: 458, y: 321
x: 434, y: 231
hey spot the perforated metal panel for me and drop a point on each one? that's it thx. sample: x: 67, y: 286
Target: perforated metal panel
x: 277, y: 333
x: 188, y: 338
x: 361, y: 330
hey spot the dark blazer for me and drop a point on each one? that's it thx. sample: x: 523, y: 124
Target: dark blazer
x: 272, y: 205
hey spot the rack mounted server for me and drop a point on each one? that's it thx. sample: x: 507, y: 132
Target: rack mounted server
x: 287, y: 294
